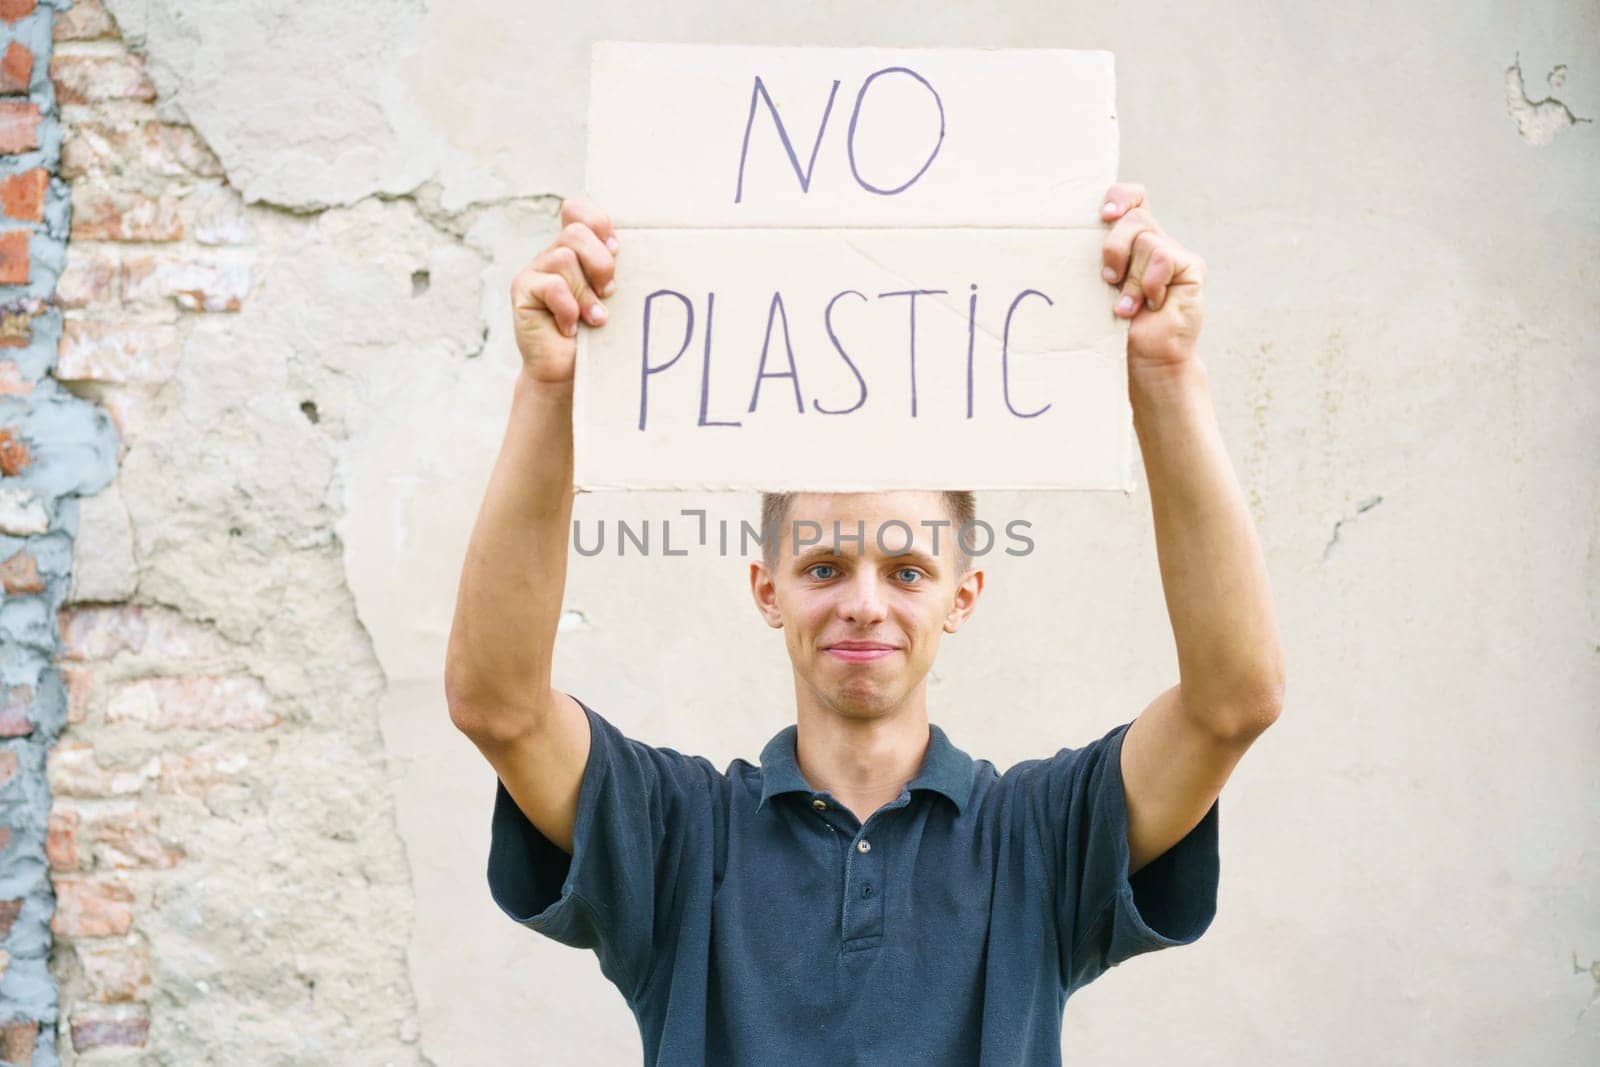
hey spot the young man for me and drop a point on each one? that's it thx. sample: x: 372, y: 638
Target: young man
x: 868, y: 893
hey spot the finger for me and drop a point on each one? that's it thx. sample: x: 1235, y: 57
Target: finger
x: 563, y: 260
x: 1132, y: 292
x: 1122, y: 198
x: 579, y: 209
x: 1157, y: 271
x: 535, y: 292
x: 1118, y: 245
x: 599, y: 266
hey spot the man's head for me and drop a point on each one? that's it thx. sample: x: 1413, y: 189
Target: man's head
x: 895, y: 577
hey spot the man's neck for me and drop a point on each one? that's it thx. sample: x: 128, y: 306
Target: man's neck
x: 863, y: 763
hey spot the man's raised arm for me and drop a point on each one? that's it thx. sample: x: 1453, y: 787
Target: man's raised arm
x: 502, y: 641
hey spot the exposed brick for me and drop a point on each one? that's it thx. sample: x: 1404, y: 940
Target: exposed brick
x: 14, y: 455
x: 19, y: 126
x: 89, y: 1033
x: 93, y: 79
x: 114, y: 215
x: 80, y: 684
x: 73, y: 771
x: 101, y: 351
x: 16, y: 330
x: 116, y: 971
x: 129, y: 839
x: 92, y: 907
x: 9, y: 910
x: 11, y: 11
x: 61, y: 840
x: 92, y: 279
x: 196, y: 283
x: 14, y: 708
x: 5, y: 838
x: 12, y: 383
x: 16, y: 69
x: 193, y: 702
x: 150, y: 148
x: 14, y: 257
x: 86, y: 20
x: 5, y: 961
x: 8, y: 770
x: 17, y: 1040
x: 100, y: 631
x: 22, y: 195
x: 192, y: 771
x: 19, y: 575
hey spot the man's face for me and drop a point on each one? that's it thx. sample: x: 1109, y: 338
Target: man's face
x: 862, y: 621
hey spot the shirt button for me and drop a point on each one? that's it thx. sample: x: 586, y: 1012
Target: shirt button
x: 863, y: 845
x: 820, y: 804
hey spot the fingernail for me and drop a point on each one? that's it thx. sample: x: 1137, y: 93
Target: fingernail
x: 570, y: 330
x: 610, y: 288
x: 1110, y: 207
x: 1125, y: 305
x: 597, y: 313
x: 611, y: 243
x: 1109, y: 275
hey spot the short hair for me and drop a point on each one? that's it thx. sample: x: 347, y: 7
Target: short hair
x: 961, y: 504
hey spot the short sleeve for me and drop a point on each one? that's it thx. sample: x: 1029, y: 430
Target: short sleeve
x: 1104, y: 917
x: 643, y: 825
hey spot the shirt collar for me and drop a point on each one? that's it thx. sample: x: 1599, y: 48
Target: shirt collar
x: 945, y: 768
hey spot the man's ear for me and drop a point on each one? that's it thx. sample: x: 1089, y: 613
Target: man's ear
x: 966, y: 601
x: 765, y: 594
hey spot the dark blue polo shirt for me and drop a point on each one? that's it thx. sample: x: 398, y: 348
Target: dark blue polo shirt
x: 749, y: 919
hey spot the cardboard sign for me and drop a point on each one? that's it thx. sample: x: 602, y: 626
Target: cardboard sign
x: 853, y: 269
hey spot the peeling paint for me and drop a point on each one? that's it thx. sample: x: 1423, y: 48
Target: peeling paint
x: 1538, y: 121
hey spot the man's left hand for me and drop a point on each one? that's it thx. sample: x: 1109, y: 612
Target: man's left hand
x: 1160, y: 282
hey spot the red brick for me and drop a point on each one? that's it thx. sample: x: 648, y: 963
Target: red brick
x: 92, y: 907
x: 86, y: 20
x: 92, y: 279
x: 129, y: 838
x: 12, y: 383
x: 19, y: 575
x: 88, y: 1033
x: 9, y: 910
x: 22, y: 195
x: 193, y: 702
x: 100, y: 631
x: 80, y: 683
x: 116, y: 971
x: 14, y: 257
x: 16, y: 70
x: 93, y: 79
x: 74, y: 771
x: 191, y: 772
x: 100, y: 351
x: 61, y: 840
x: 5, y: 961
x: 14, y: 455
x: 151, y: 149
x: 114, y: 215
x: 11, y: 11
x: 17, y: 1041
x: 8, y: 770
x: 194, y: 282
x: 19, y: 126
x: 14, y: 718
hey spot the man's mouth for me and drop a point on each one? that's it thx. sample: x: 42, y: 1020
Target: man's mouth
x: 860, y: 651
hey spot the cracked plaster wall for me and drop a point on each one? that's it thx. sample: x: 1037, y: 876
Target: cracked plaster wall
x: 1402, y: 358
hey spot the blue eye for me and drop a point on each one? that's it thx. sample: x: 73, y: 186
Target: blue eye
x: 916, y: 575
x: 820, y: 566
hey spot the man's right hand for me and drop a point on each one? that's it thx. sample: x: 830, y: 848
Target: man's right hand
x: 561, y: 287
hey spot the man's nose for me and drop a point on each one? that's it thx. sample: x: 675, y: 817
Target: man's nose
x: 864, y: 600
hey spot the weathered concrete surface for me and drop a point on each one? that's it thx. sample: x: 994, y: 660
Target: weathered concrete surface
x: 1398, y: 311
